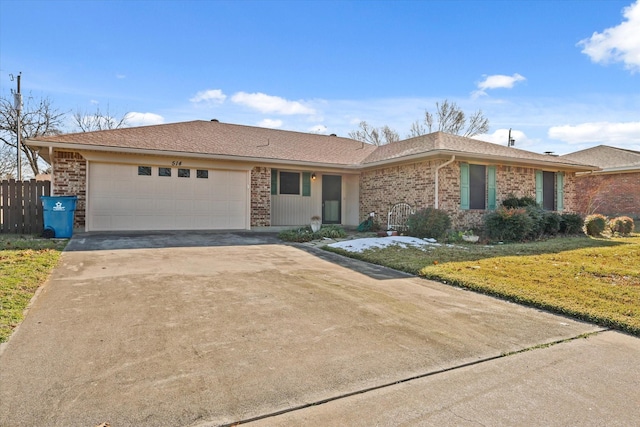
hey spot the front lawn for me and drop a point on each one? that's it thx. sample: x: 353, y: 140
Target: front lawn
x: 597, y: 280
x: 25, y: 264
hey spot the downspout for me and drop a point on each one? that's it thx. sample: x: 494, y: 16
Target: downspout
x: 448, y: 162
x: 52, y: 171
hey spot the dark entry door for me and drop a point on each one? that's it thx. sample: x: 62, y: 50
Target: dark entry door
x: 548, y: 191
x: 331, y: 199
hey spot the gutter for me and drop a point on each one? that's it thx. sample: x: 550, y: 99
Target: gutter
x: 447, y: 163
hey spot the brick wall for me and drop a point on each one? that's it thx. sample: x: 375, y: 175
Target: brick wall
x: 380, y: 189
x: 414, y: 184
x: 260, y: 197
x: 70, y: 179
x: 611, y: 195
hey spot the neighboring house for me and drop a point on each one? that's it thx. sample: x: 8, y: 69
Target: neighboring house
x: 212, y: 175
x: 615, y: 189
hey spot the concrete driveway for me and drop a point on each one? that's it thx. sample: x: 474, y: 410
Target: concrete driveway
x: 204, y: 329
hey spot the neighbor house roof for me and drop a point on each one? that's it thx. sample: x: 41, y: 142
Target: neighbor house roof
x: 230, y: 141
x: 610, y: 159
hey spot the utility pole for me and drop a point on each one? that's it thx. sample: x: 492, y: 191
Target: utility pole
x: 17, y: 103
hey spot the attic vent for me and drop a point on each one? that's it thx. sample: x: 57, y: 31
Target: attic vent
x: 215, y: 120
x: 550, y: 153
x: 333, y: 134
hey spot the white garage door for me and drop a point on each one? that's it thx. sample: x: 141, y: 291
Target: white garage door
x: 131, y: 197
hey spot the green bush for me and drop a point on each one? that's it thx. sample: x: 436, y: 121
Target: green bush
x: 537, y: 215
x: 428, y: 222
x: 552, y: 222
x: 595, y: 224
x: 571, y: 223
x: 621, y: 225
x: 508, y: 225
x: 514, y: 202
x: 304, y: 234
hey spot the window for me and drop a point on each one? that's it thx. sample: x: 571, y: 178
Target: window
x: 477, y: 186
x: 144, y: 170
x: 184, y: 173
x: 164, y: 171
x: 550, y: 190
x: 289, y: 183
x: 202, y: 173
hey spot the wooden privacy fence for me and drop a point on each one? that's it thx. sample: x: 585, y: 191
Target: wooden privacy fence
x: 21, y: 207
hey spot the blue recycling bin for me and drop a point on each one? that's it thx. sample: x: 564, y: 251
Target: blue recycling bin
x: 58, y: 215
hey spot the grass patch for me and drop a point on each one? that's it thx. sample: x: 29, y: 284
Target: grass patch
x: 597, y: 280
x: 25, y: 263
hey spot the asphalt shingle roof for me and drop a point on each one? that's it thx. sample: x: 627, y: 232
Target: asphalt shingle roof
x: 606, y: 157
x: 246, y: 142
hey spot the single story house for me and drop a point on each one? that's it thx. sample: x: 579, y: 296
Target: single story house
x: 614, y: 190
x: 212, y: 175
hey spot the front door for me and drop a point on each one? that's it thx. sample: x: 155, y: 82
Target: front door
x: 331, y: 199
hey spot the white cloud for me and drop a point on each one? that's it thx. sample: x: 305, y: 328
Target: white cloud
x: 212, y: 95
x: 271, y: 104
x: 617, y: 44
x: 94, y: 102
x: 317, y: 129
x: 120, y: 76
x: 623, y: 133
x: 143, y: 119
x: 270, y: 123
x: 497, y: 81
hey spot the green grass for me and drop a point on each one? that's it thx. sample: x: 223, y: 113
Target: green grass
x: 597, y: 280
x: 25, y: 264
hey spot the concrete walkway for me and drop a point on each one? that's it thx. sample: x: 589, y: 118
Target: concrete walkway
x: 204, y: 329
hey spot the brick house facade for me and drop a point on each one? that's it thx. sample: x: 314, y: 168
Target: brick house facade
x: 610, y: 195
x: 414, y: 184
x: 69, y: 178
x: 424, y: 171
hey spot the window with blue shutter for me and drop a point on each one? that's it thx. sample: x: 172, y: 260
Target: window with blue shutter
x: 306, y: 184
x: 464, y: 186
x: 560, y: 191
x: 539, y: 186
x: 491, y: 187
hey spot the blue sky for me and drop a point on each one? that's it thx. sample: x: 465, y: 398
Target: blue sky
x: 564, y: 75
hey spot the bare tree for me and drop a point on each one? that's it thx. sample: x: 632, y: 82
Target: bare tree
x: 451, y: 119
x: 374, y: 136
x: 7, y: 162
x: 39, y: 118
x: 448, y: 118
x: 89, y: 122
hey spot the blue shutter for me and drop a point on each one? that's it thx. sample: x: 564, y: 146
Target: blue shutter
x: 539, y: 199
x: 491, y: 187
x: 274, y: 181
x: 560, y: 191
x: 306, y: 184
x: 464, y: 186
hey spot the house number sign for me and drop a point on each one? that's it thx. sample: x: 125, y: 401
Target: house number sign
x: 176, y: 163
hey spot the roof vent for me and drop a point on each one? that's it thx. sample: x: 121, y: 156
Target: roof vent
x: 215, y: 120
x: 550, y: 153
x: 333, y: 134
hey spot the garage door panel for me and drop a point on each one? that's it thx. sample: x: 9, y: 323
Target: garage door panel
x: 120, y: 199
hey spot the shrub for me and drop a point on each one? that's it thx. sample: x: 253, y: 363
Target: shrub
x: 552, y: 221
x: 428, y: 222
x: 304, y: 234
x: 621, y: 225
x: 514, y: 202
x: 508, y: 225
x: 595, y: 224
x: 537, y: 215
x: 571, y: 223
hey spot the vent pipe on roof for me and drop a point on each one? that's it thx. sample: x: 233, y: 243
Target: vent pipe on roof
x: 215, y: 120
x: 333, y: 134
x: 448, y: 162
